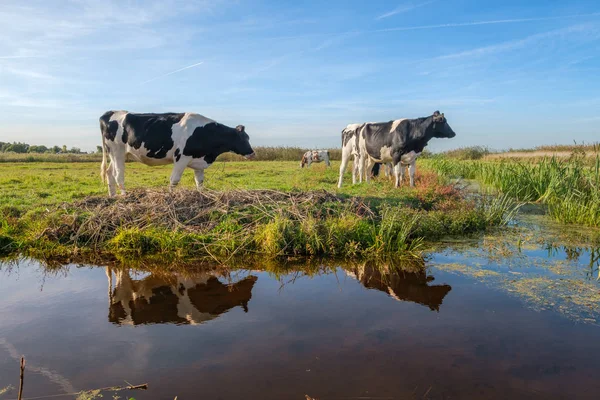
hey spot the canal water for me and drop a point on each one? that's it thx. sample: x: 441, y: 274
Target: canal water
x: 506, y: 316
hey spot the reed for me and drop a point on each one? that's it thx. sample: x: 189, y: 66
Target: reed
x: 570, y: 187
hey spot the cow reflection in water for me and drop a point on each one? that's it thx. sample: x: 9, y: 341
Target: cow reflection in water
x: 402, y: 285
x: 173, y: 299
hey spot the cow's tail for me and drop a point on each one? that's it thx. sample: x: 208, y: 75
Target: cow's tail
x: 104, y: 165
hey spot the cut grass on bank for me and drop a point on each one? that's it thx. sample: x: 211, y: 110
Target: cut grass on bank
x: 290, y: 215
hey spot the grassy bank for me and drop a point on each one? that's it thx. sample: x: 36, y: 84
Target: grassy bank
x: 52, y: 211
x: 570, y: 188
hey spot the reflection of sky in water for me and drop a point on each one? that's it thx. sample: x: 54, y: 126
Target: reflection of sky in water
x: 327, y: 336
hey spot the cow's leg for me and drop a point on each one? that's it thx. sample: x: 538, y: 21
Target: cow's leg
x: 354, y: 169
x: 178, y: 168
x: 112, y: 183
x: 199, y: 178
x: 361, y: 168
x: 412, y: 168
x: 389, y: 170
x: 398, y: 171
x: 345, y: 159
x: 369, y: 167
x: 118, y: 168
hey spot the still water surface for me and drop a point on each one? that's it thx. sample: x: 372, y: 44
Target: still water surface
x: 346, y: 333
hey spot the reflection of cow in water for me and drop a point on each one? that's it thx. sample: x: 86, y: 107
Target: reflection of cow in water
x: 402, y: 285
x: 173, y: 299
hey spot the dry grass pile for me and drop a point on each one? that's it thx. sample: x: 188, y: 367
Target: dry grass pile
x: 144, y: 218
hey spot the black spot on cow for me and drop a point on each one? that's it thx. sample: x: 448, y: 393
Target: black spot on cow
x: 379, y: 136
x: 124, y: 136
x: 177, y: 155
x: 153, y: 131
x: 213, y: 139
x: 107, y: 127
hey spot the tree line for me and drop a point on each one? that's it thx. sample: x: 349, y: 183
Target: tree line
x: 21, y: 148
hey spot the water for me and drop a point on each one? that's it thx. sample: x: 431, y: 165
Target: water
x: 467, y: 328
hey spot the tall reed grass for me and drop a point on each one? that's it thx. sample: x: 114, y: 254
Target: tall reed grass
x: 570, y: 188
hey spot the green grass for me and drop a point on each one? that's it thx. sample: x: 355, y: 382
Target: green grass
x: 570, y: 188
x: 60, y: 209
x: 26, y: 186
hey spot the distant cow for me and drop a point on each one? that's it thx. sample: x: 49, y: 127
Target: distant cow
x: 350, y: 149
x: 390, y: 141
x: 184, y: 139
x: 406, y: 161
x: 159, y: 299
x: 315, y: 156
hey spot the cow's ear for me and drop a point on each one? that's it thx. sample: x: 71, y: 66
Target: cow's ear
x: 240, y: 128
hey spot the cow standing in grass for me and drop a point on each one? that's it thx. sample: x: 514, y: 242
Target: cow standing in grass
x: 315, y: 156
x: 390, y: 142
x: 350, y: 149
x: 183, y: 139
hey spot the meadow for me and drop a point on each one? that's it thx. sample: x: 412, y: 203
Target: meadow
x: 268, y: 208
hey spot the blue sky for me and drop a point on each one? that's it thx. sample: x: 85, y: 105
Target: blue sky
x: 505, y: 73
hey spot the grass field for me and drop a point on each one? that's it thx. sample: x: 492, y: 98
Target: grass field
x: 271, y: 208
x: 28, y: 186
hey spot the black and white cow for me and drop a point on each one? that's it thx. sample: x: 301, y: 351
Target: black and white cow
x: 315, y: 156
x: 183, y: 139
x: 403, y: 138
x: 350, y: 149
x: 189, y: 299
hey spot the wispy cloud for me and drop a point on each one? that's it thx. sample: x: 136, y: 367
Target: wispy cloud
x: 445, y: 26
x: 404, y: 8
x: 17, y: 57
x: 173, y: 72
x: 488, y: 22
x: 520, y: 43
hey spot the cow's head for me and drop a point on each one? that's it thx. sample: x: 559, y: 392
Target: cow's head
x: 440, y: 126
x: 241, y: 144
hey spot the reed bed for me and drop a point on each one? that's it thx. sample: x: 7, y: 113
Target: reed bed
x: 570, y: 188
